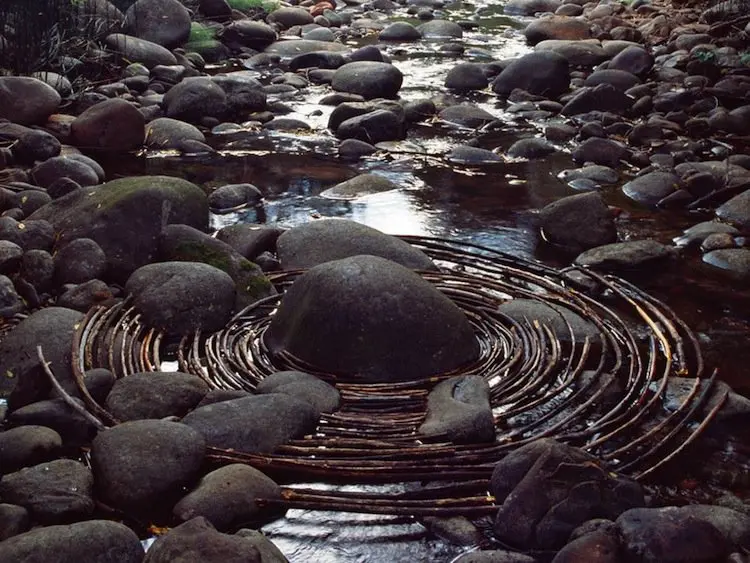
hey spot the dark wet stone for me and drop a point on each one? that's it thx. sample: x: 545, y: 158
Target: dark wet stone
x: 52, y: 492
x: 26, y: 101
x: 79, y: 261
x: 138, y: 50
x: 372, y: 127
x: 168, y: 133
x: 10, y: 257
x: 226, y: 497
x: 31, y: 234
x: 600, y: 546
x: 464, y: 154
x: 125, y: 217
x: 467, y: 76
x: 221, y: 395
x: 198, y: 540
x: 35, y: 145
x: 619, y: 79
x: 603, y: 97
x: 28, y: 445
x: 31, y: 200
x: 332, y: 239
x: 734, y: 262
x: 577, y: 53
x: 248, y: 239
x: 254, y: 424
x: 368, y: 79
x: 543, y: 73
x: 95, y: 541
x: 400, y: 31
x: 184, y: 243
x: 316, y: 331
x: 651, y: 188
x: 634, y: 59
x: 243, y: 92
x: 289, y: 17
x: 249, y: 33
x: 531, y: 148
x: 322, y: 396
x: 181, y: 297
x: 557, y: 27
x: 467, y: 115
x: 217, y: 9
x: 233, y: 196
x: 112, y: 125
x: 736, y: 211
x: 286, y: 124
x: 73, y: 428
x: 127, y: 473
x: 530, y: 7
x: 601, y: 151
x: 37, y: 269
x: 164, y: 22
x: 24, y: 381
x: 559, y: 132
x: 547, y: 489
x: 46, y: 173
x: 457, y: 530
x: 578, y: 222
x: 11, y: 302
x: 732, y: 524
x: 14, y: 520
x: 194, y: 99
x: 441, y: 28
x: 317, y: 59
x: 494, y: 556
x: 320, y: 34
x: 666, y: 535
x: 354, y: 149
x: 155, y: 395
x: 717, y: 241
x: 362, y: 185
x: 291, y: 48
x: 84, y: 296
x: 564, y: 323
x: 459, y: 409
x: 628, y: 255
x: 594, y: 172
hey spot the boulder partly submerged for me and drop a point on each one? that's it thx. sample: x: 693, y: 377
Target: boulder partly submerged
x: 371, y: 319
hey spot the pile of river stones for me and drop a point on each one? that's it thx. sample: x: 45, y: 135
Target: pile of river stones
x: 639, y: 89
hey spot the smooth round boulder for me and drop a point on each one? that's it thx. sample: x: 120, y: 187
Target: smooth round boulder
x: 578, y: 222
x: 290, y: 16
x: 168, y: 133
x: 164, y: 22
x: 651, y: 188
x: 623, y: 256
x: 333, y: 239
x: 127, y: 473
x: 543, y: 73
x: 111, y: 125
x: 136, y: 50
x: 466, y: 76
x: 369, y: 79
x: 253, y: 34
x: 557, y: 27
x: 27, y: 101
x: 51, y: 170
x: 28, y: 445
x: 181, y: 297
x: 370, y: 319
x: 79, y: 261
x: 633, y: 59
x: 400, y: 31
x: 323, y: 396
x: 155, y: 395
x: 195, y: 98
x: 441, y: 29
x: 231, y: 197
x: 359, y: 186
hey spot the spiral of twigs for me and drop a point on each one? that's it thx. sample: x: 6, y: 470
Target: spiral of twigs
x: 604, y: 394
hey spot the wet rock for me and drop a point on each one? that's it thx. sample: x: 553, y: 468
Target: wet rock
x: 463, y: 154
x: 184, y: 243
x: 26, y: 101
x: 494, y: 556
x: 289, y: 17
x: 619, y: 79
x: 233, y: 196
x: 400, y: 31
x: 320, y: 34
x: 51, y: 170
x: 543, y: 73
x: 317, y: 59
x: 594, y: 172
x: 601, y: 151
x: 359, y: 186
x: 125, y: 217
x: 531, y: 148
x: 559, y: 132
x: 244, y: 94
x: 248, y: 239
x: 600, y: 546
x: 127, y: 473
x: 467, y: 115
x: 354, y: 149
x: 372, y: 127
x: 164, y: 22
x: 466, y: 76
x: 249, y: 33
x: 567, y: 325
x: 716, y: 241
x: 530, y: 7
x: 557, y: 27
x: 288, y: 49
x: 31, y: 234
x: 255, y: 424
x: 52, y: 492
x: 651, y: 188
x: 369, y: 79
x: 578, y: 222
x: 227, y: 497
x: 736, y: 211
x: 37, y: 269
x: 168, y: 133
x: 603, y: 97
x: 332, y: 239
x: 547, y: 489
x: 24, y: 381
x: 10, y: 301
x: 14, y: 520
x: 459, y: 409
x: 181, y: 297
x: 343, y: 329
x: 628, y: 255
x: 84, y: 296
x: 634, y: 60
x: 734, y: 262
x: 585, y: 53
x: 668, y: 535
x: 198, y: 540
x: 137, y: 50
x: 195, y: 98
x: 324, y: 397
x: 457, y: 530
x: 95, y: 541
x: 155, y: 395
x: 28, y: 445
x: 73, y: 428
x: 441, y: 28
x: 79, y: 261
x: 733, y: 525
x: 31, y: 200
x: 36, y: 145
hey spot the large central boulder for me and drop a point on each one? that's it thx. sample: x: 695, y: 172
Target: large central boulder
x: 371, y: 319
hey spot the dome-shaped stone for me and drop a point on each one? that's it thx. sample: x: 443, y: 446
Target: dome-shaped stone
x: 368, y: 318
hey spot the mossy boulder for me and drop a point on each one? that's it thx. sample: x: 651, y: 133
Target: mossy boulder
x: 125, y: 217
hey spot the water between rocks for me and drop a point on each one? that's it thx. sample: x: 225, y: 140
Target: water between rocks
x: 493, y: 206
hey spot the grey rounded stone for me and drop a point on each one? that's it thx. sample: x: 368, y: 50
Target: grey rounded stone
x: 323, y: 396
x: 79, y: 261
x: 28, y: 445
x: 627, y: 255
x: 168, y: 133
x: 578, y: 222
x: 369, y: 79
x: 27, y: 101
x: 155, y: 395
x: 543, y: 73
x: 164, y: 22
